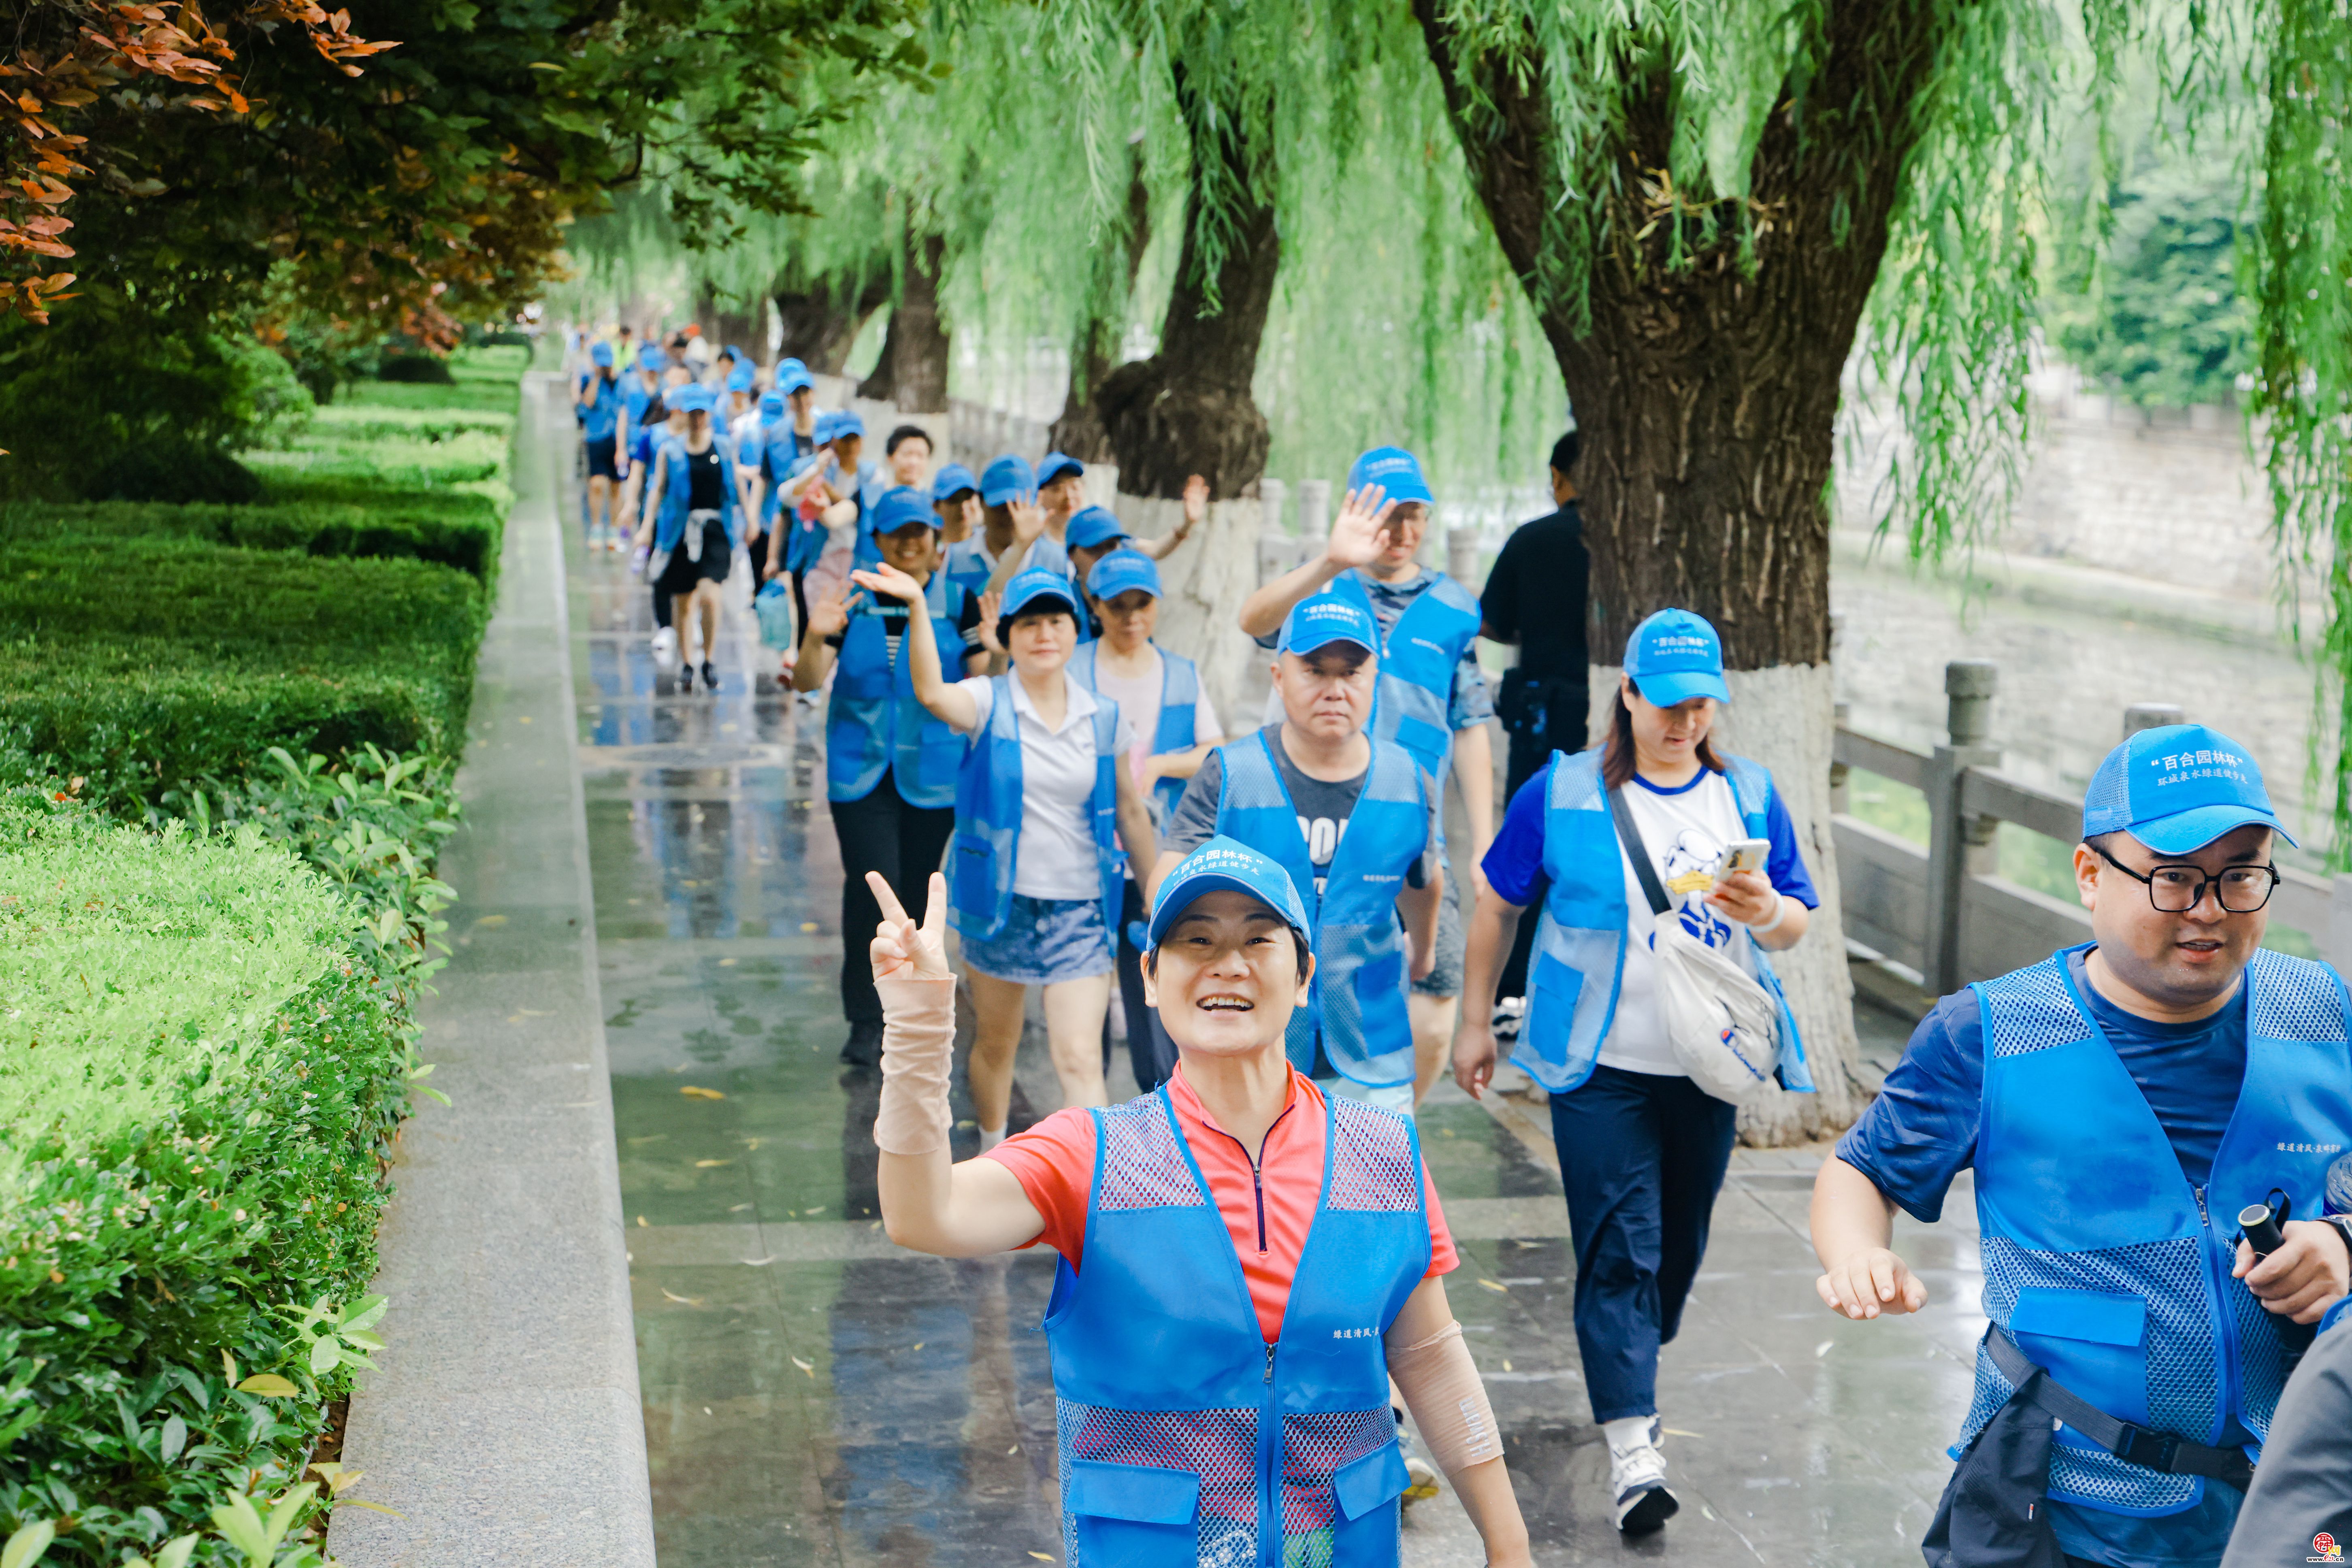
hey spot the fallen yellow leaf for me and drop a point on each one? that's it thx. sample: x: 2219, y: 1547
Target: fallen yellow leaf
x: 1491, y: 1285
x: 641, y: 1221
x: 268, y: 1385
x: 700, y: 1093
x: 804, y: 1367
x: 370, y: 1507
x: 808, y: 925
x: 682, y: 1300
x: 710, y: 1165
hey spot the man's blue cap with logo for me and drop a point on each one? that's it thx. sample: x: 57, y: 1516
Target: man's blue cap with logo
x: 2176, y: 788
x: 1027, y: 588
x: 1121, y: 571
x: 903, y: 506
x: 1006, y: 477
x: 1057, y: 465
x: 1222, y: 865
x: 953, y: 480
x: 1092, y: 527
x: 1321, y: 619
x: 1395, y: 470
x: 1674, y: 656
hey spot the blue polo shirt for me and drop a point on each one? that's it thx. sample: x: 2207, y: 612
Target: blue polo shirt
x: 1921, y: 1131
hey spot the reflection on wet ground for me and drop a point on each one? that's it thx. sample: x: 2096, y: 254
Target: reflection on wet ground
x: 813, y: 1394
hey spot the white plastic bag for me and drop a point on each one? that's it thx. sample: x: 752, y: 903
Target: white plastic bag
x: 1723, y: 1025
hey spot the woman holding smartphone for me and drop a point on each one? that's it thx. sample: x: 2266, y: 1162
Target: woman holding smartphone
x: 1042, y: 810
x: 1642, y: 1150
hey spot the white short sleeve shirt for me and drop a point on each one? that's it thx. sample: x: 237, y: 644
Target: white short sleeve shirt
x: 1058, y: 856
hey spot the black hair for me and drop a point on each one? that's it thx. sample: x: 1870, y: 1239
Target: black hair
x: 1565, y: 451
x: 904, y: 433
x: 1042, y: 605
x: 1617, y: 758
x: 1298, y: 946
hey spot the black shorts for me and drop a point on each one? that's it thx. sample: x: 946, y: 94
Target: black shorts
x: 681, y: 575
x: 603, y: 459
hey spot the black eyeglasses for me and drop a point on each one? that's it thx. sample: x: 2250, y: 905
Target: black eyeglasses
x: 2176, y: 889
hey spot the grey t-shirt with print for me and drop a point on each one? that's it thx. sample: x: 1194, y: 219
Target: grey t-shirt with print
x: 1324, y: 806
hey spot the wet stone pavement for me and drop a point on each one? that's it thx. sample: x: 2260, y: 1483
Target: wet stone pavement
x: 815, y: 1396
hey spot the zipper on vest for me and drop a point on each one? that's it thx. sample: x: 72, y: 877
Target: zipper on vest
x: 1269, y: 1360
x: 1257, y: 1180
x: 2224, y: 1323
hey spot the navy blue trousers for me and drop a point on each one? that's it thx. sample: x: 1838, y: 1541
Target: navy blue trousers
x: 1642, y: 1156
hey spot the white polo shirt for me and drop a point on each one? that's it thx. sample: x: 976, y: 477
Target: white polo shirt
x: 1058, y: 856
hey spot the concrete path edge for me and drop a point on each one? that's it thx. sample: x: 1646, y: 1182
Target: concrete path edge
x: 504, y: 1419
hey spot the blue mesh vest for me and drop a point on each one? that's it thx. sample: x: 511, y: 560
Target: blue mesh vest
x: 1580, y: 947
x: 670, y: 526
x: 872, y: 719
x: 983, y: 855
x: 1420, y: 654
x: 969, y: 566
x: 1358, y: 1000
x: 1186, y: 1437
x: 2109, y: 1269
x: 1179, y: 692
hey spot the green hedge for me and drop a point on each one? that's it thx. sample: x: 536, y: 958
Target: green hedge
x: 205, y: 1044
x: 144, y: 665
x: 456, y: 528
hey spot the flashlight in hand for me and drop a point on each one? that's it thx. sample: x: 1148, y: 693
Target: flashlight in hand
x: 2260, y: 1224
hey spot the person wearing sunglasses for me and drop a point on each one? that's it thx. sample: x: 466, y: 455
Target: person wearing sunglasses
x: 2126, y: 1106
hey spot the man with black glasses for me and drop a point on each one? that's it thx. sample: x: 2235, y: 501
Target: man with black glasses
x: 2128, y: 1107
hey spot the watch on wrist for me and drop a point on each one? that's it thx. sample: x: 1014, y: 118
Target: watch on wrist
x: 2342, y: 1224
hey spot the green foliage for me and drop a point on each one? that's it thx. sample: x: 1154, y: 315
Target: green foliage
x: 414, y: 527
x: 417, y: 370
x: 145, y: 663
x: 207, y: 1042
x: 2161, y: 325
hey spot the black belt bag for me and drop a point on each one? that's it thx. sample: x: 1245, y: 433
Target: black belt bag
x: 1995, y: 1511
x: 1525, y: 702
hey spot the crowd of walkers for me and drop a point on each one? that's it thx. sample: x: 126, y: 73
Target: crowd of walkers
x: 1251, y: 1291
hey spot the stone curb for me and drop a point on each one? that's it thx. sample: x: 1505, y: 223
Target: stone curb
x: 504, y: 1420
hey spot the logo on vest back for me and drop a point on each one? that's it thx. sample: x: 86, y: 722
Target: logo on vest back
x: 1354, y: 1334
x: 2310, y: 1147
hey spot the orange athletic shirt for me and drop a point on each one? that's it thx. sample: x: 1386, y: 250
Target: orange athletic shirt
x: 1054, y: 1162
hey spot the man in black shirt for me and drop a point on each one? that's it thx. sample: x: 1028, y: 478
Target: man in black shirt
x: 1538, y: 596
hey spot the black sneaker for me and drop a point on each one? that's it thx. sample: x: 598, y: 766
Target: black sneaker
x: 686, y: 677
x: 709, y: 676
x: 864, y: 1048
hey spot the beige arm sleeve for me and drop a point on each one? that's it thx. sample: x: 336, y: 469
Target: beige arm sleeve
x: 1441, y: 1387
x: 917, y: 1051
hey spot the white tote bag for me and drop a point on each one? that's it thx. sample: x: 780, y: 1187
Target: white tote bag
x: 1725, y: 1028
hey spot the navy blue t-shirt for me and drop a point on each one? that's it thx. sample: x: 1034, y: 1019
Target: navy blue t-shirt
x: 1514, y: 862
x: 1921, y: 1131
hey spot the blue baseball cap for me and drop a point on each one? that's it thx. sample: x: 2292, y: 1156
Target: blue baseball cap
x: 953, y: 480
x: 1054, y: 466
x: 902, y: 506
x: 1007, y: 477
x: 1034, y: 584
x: 1120, y: 571
x: 1222, y: 864
x: 1321, y: 619
x: 2176, y: 788
x: 650, y: 357
x: 1092, y: 528
x: 674, y: 397
x: 602, y: 353
x: 1395, y: 470
x: 728, y: 351
x: 846, y: 423
x: 790, y: 366
x: 772, y: 404
x: 742, y: 377
x: 1674, y: 656
x: 792, y: 378
x: 693, y: 397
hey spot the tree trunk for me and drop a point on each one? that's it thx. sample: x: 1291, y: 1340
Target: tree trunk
x: 822, y: 323
x: 1079, y: 431
x: 913, y: 369
x: 723, y: 327
x: 1708, y: 395
x: 1188, y: 409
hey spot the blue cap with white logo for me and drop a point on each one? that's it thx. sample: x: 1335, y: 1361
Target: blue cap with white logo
x: 1006, y: 477
x: 1674, y: 656
x: 1057, y: 465
x: 1395, y: 470
x: 1028, y: 588
x: 1120, y: 572
x: 848, y: 422
x: 821, y: 427
x: 696, y: 398
x: 1222, y: 865
x: 953, y: 480
x: 2176, y: 788
x: 1321, y: 619
x: 602, y: 353
x: 792, y: 378
x: 902, y: 506
x: 1092, y: 527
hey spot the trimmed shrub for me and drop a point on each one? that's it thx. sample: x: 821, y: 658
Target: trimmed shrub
x: 206, y: 1045
x: 235, y: 652
x: 174, y: 471
x: 456, y: 528
x: 417, y: 369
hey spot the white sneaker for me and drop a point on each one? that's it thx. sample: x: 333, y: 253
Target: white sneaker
x: 1510, y: 1012
x: 1637, y: 1481
x: 666, y: 647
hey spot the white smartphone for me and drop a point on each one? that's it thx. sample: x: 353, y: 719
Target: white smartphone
x: 1746, y: 854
